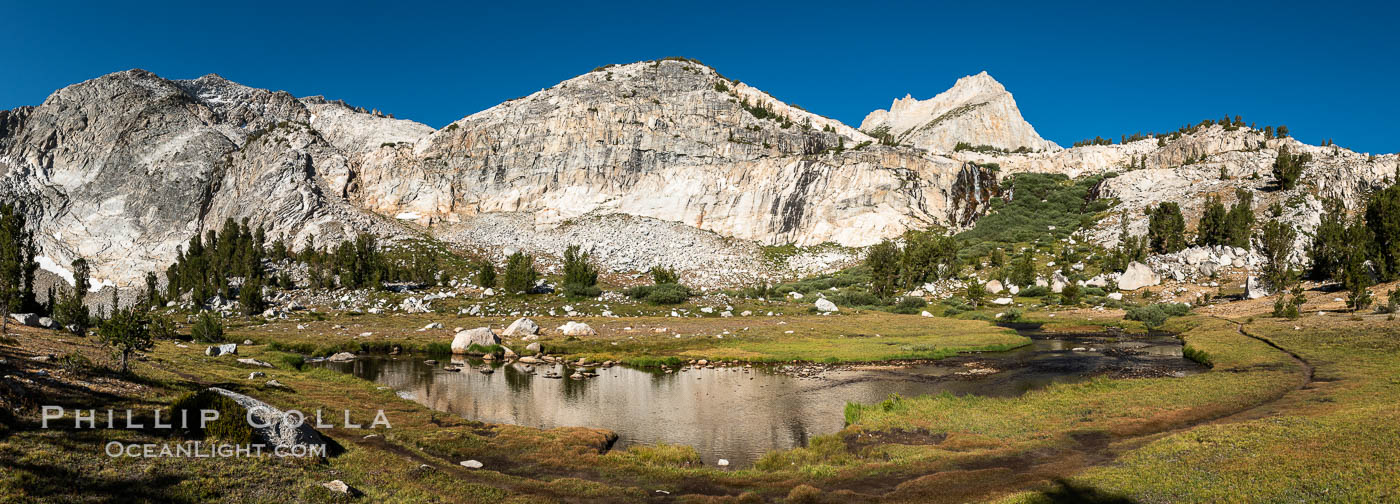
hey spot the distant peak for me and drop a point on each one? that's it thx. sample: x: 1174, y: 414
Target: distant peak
x: 981, y: 80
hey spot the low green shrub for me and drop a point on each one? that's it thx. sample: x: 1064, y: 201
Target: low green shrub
x: 1154, y: 315
x: 231, y: 427
x: 1197, y: 355
x: 1034, y: 291
x: 660, y: 294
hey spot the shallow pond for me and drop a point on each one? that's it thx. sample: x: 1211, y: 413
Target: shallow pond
x: 739, y: 413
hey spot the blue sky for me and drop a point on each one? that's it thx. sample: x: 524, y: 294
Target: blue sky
x: 1077, y: 70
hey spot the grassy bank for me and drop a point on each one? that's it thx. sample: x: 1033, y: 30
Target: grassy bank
x: 1337, y: 440
x: 1167, y: 434
x: 861, y: 337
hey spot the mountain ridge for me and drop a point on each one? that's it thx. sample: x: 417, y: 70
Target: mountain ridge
x: 124, y: 168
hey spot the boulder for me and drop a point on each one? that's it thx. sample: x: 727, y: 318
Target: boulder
x: 338, y: 486
x: 994, y: 287
x: 254, y: 362
x: 471, y: 464
x: 481, y: 336
x: 1002, y: 301
x: 341, y: 357
x: 521, y: 327
x: 1137, y: 276
x: 576, y: 329
x: 1196, y: 255
x: 925, y: 313
x: 224, y: 349
x: 533, y: 347
x: 1058, y: 282
x: 47, y: 323
x: 825, y: 305
x: 508, y: 353
x: 1013, y: 289
x: 28, y: 319
x: 270, y: 424
x: 1254, y: 288
x: 1116, y: 296
x: 256, y: 374
x: 434, y: 325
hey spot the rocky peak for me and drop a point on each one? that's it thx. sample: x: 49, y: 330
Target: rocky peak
x: 977, y: 110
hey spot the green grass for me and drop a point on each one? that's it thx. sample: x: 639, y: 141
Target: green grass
x: 1337, y: 440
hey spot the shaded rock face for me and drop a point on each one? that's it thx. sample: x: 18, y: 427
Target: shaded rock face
x: 977, y: 110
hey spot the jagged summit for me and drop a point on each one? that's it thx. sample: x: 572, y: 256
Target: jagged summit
x: 977, y: 110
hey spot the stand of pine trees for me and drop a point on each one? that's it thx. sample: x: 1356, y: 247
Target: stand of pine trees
x: 17, y: 266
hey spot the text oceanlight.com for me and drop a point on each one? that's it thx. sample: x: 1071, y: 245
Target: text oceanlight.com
x: 200, y: 449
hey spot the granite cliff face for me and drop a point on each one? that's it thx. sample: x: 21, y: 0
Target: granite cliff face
x: 977, y: 110
x: 671, y: 140
x: 125, y: 168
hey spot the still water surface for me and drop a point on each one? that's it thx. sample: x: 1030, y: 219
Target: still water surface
x: 738, y: 413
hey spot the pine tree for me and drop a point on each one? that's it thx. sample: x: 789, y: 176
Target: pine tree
x: 1239, y: 222
x: 17, y: 265
x: 1212, y: 230
x: 486, y: 274
x: 1275, y: 244
x: 580, y: 276
x: 1288, y: 168
x: 71, y: 311
x: 883, y: 260
x: 1383, y: 222
x: 520, y: 273
x: 128, y: 330
x: 1330, y: 247
x: 1166, y: 229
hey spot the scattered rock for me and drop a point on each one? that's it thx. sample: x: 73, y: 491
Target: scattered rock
x: 224, y: 349
x: 481, y: 336
x: 826, y: 306
x: 254, y: 362
x: 256, y: 374
x: 576, y: 329
x: 28, y: 319
x: 471, y: 464
x: 520, y: 328
x: 338, y: 486
x: 1137, y: 276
